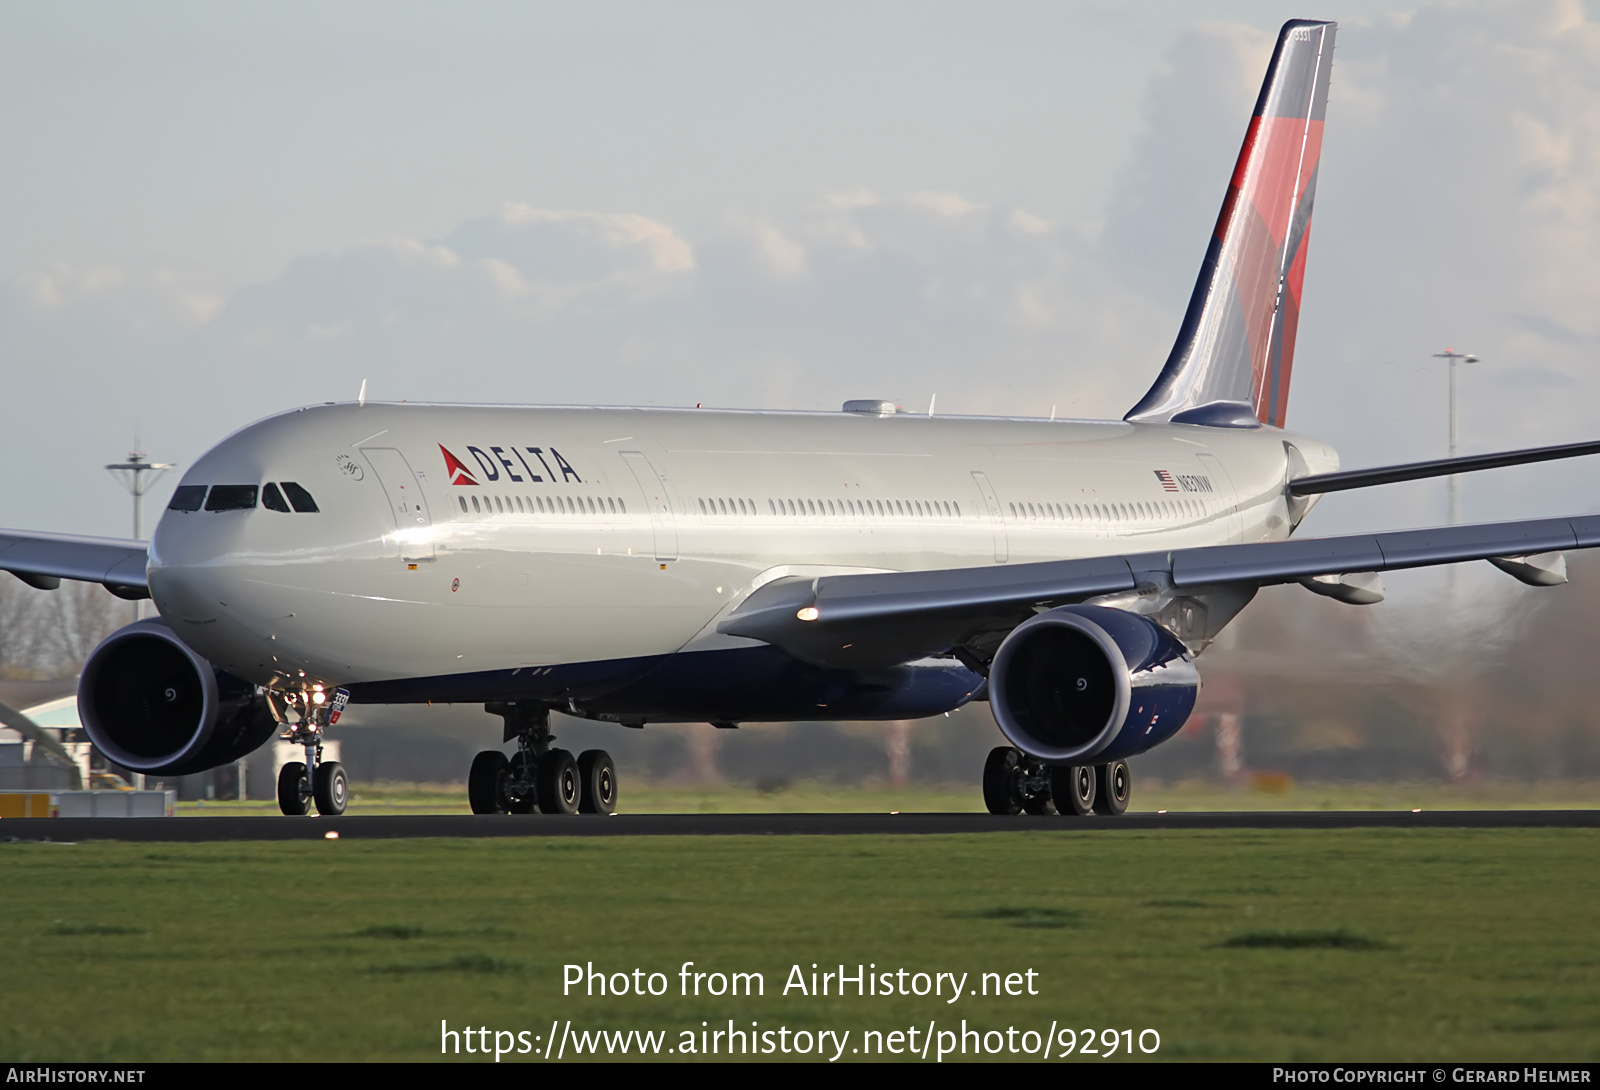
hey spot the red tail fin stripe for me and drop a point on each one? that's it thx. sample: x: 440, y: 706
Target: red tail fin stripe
x: 1282, y: 161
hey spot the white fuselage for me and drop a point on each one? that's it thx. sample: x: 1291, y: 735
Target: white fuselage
x: 579, y: 535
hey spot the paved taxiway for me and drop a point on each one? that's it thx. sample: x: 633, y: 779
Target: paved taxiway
x: 404, y: 827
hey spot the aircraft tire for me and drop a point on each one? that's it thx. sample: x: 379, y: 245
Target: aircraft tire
x: 1113, y: 787
x: 515, y: 773
x: 1072, y: 786
x: 332, y: 790
x: 485, y: 782
x: 597, y: 773
x: 293, y: 798
x: 1000, y: 774
x: 560, y: 790
x: 1037, y: 797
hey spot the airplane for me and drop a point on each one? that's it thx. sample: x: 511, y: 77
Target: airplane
x: 643, y: 565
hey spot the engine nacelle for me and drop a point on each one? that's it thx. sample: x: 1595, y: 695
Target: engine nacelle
x: 152, y: 705
x: 1089, y: 685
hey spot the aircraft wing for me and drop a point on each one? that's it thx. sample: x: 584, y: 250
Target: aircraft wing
x: 899, y: 616
x: 43, y: 560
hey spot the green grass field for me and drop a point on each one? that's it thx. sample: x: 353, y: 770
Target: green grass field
x: 1248, y: 945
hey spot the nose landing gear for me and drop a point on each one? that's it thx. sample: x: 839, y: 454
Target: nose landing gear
x: 314, y: 780
x: 1013, y: 783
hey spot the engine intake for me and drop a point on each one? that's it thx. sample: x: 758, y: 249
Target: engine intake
x: 152, y: 705
x: 1089, y: 685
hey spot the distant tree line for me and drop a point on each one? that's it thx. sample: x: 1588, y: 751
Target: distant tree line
x: 49, y: 633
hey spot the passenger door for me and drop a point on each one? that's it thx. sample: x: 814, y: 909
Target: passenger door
x: 658, y: 501
x: 412, y: 520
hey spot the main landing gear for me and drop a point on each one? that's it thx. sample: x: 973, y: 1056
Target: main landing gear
x: 1014, y: 783
x: 313, y: 780
x: 537, y: 777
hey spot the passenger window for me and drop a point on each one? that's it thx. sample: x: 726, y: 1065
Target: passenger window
x: 272, y: 499
x: 300, y: 498
x: 231, y: 497
x: 187, y: 497
x: 463, y: 501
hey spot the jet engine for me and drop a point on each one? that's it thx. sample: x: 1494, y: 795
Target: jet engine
x: 1089, y: 685
x: 152, y: 705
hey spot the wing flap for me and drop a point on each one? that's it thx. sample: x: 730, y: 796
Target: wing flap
x: 1275, y: 561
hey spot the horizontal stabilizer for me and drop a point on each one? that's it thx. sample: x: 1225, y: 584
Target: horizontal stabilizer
x: 1439, y: 467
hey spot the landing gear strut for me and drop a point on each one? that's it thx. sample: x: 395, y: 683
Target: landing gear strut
x: 324, y: 782
x: 537, y: 776
x: 1013, y: 783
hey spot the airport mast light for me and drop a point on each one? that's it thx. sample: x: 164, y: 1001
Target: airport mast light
x: 1455, y: 481
x: 131, y: 475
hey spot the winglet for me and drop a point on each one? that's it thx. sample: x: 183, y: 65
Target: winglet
x: 1231, y: 363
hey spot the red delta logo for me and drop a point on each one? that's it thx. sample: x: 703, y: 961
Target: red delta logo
x: 459, y: 473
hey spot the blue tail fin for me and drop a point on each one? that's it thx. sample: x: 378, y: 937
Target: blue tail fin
x: 1231, y: 364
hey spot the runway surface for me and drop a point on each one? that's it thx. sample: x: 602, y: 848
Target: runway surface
x: 400, y: 828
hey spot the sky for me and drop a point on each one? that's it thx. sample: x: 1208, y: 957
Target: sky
x: 215, y: 212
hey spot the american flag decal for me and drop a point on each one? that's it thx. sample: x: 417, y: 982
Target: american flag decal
x: 1167, y: 483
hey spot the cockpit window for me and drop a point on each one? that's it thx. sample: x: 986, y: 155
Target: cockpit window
x: 231, y: 497
x: 300, y: 498
x: 187, y: 497
x: 272, y: 499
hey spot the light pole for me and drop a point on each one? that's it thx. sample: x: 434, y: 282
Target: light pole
x: 137, y: 475
x: 1455, y: 481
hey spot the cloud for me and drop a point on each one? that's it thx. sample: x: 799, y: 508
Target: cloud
x: 141, y: 299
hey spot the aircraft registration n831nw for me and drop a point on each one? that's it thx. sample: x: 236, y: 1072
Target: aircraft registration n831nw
x: 657, y: 566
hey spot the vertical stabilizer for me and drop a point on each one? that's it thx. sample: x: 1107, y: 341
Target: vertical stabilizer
x: 1230, y: 366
